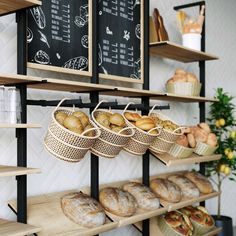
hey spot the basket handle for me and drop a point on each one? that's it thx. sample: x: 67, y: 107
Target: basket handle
x: 126, y: 128
x: 179, y: 128
x: 130, y: 103
x: 92, y: 129
x: 155, y: 128
x: 153, y: 108
x: 99, y: 104
x: 59, y: 104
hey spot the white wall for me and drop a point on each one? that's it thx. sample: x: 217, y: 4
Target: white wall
x: 57, y: 175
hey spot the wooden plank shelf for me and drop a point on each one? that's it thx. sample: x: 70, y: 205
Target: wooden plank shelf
x: 10, y: 6
x: 6, y: 171
x: 11, y: 228
x: 169, y: 160
x: 73, y: 86
x: 177, y: 52
x: 20, y: 126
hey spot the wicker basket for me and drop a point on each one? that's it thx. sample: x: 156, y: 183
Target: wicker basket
x: 141, y: 140
x: 179, y: 151
x: 184, y: 88
x: 65, y: 144
x: 166, y: 139
x: 110, y: 143
x: 203, y: 149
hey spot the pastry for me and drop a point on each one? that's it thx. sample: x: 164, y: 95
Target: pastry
x: 179, y: 78
x: 89, y: 133
x: 205, y: 127
x: 166, y: 190
x: 186, y: 130
x: 117, y: 201
x: 183, y: 141
x: 200, y: 135
x: 202, y: 183
x: 117, y: 119
x: 179, y: 71
x: 188, y: 188
x: 73, y: 124
x: 212, y: 140
x: 145, y: 123
x: 103, y: 119
x: 191, y: 78
x: 60, y: 117
x: 191, y: 140
x: 130, y: 116
x: 83, y: 210
x: 175, y: 223
x: 115, y: 128
x: 146, y: 199
x: 82, y: 116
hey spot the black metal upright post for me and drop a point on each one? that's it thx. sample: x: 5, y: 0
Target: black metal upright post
x: 22, y: 133
x: 145, y: 101
x: 94, y: 96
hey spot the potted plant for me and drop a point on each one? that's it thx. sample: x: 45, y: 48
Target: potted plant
x: 222, y: 122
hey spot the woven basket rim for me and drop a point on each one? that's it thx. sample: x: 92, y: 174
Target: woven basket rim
x: 73, y: 133
x: 133, y: 153
x: 92, y: 150
x: 206, y: 145
x: 157, y: 150
x: 108, y: 130
x: 166, y: 141
x: 140, y: 141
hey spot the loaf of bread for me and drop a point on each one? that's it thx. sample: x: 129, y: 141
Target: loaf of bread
x: 146, y: 199
x: 166, y: 190
x: 145, y: 123
x: 117, y: 201
x: 83, y: 210
x: 202, y: 183
x: 131, y: 116
x: 188, y: 188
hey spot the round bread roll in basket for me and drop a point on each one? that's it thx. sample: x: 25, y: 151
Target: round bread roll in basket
x: 142, y: 139
x: 112, y: 139
x: 169, y: 132
x: 65, y: 144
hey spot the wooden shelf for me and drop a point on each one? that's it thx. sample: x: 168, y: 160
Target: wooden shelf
x: 20, y: 126
x: 10, y: 6
x: 6, y: 171
x: 177, y: 52
x: 10, y: 228
x: 73, y: 86
x: 169, y: 160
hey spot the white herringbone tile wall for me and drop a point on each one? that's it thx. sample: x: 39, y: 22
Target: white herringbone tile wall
x: 57, y: 175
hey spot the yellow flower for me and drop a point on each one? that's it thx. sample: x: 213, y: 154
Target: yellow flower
x: 230, y: 155
x: 222, y: 168
x: 226, y: 151
x: 222, y: 122
x: 227, y: 170
x: 233, y: 134
x: 217, y: 123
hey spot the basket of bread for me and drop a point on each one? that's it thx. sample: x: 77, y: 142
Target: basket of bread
x: 70, y: 134
x: 145, y: 132
x: 169, y: 132
x: 184, y: 83
x: 115, y: 133
x: 202, y: 139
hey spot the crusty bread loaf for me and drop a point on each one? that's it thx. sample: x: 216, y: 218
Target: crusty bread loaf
x: 166, y: 190
x: 131, y: 116
x: 117, y: 201
x: 146, y: 199
x: 188, y: 188
x: 203, y: 184
x: 83, y: 210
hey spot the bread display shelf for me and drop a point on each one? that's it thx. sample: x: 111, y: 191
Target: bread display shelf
x: 73, y: 86
x: 11, y: 228
x: 20, y: 126
x: 169, y: 160
x: 10, y: 6
x: 177, y: 52
x: 6, y: 171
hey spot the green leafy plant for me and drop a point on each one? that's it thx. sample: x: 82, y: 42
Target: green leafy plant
x: 222, y: 122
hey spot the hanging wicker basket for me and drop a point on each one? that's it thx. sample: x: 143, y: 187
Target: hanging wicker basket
x: 110, y: 143
x: 65, y: 144
x: 141, y: 140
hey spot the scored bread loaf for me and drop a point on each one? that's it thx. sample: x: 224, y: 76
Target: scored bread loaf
x: 83, y: 210
x: 188, y: 188
x: 117, y: 201
x: 166, y: 190
x: 146, y: 199
x: 203, y: 184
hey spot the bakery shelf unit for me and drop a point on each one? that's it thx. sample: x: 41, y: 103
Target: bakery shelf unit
x: 6, y: 171
x: 11, y: 6
x: 20, y: 126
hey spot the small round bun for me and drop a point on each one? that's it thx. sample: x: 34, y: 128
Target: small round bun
x: 179, y: 78
x: 212, y: 140
x: 191, y: 78
x: 130, y: 116
x: 182, y: 141
x: 180, y: 71
x: 205, y: 127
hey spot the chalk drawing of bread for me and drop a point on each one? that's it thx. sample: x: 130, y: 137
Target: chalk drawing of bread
x: 77, y: 63
x: 39, y: 17
x: 42, y: 57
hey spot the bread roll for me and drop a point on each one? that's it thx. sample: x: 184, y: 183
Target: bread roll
x: 60, y: 117
x: 186, y: 130
x: 117, y: 201
x: 188, y: 188
x: 191, y: 140
x: 179, y: 78
x: 191, y: 78
x: 117, y: 119
x: 202, y: 183
x: 103, y: 119
x: 201, y: 135
x: 205, y: 127
x: 146, y: 199
x: 83, y: 210
x: 182, y: 141
x: 145, y: 124
x: 180, y: 71
x: 212, y: 140
x: 115, y: 128
x: 83, y: 117
x: 166, y: 190
x: 130, y: 116
x: 89, y: 133
x: 73, y: 124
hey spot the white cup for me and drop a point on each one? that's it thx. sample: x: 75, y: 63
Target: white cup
x: 192, y: 41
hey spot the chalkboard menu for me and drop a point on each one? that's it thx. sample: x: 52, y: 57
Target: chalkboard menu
x: 120, y: 39
x: 58, y: 36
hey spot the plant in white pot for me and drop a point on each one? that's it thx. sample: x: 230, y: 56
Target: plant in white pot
x: 222, y: 122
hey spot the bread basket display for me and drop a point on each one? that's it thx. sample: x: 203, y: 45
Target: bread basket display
x: 70, y: 144
x: 113, y: 137
x: 142, y: 138
x: 179, y: 151
x: 169, y: 132
x: 204, y: 149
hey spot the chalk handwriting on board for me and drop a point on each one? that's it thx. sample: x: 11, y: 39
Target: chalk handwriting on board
x: 39, y: 17
x: 77, y: 63
x: 126, y: 35
x: 43, y: 38
x: 138, y: 31
x: 30, y: 35
x: 100, y: 60
x: 58, y: 56
x: 42, y: 57
x: 137, y: 2
x: 84, y: 41
x: 82, y: 19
